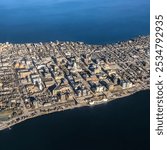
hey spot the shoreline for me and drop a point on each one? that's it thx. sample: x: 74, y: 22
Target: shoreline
x: 75, y: 41
x: 41, y: 78
x: 5, y: 126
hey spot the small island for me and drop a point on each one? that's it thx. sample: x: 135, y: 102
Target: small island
x: 41, y: 78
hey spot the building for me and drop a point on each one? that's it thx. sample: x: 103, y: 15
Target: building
x: 123, y: 84
x: 1, y: 85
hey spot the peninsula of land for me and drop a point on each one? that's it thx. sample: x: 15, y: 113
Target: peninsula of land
x: 41, y: 78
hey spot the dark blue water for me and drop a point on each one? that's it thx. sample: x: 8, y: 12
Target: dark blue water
x: 119, y: 125
x: 91, y: 21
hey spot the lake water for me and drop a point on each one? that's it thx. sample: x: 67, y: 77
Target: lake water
x: 90, y: 21
x: 119, y: 125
